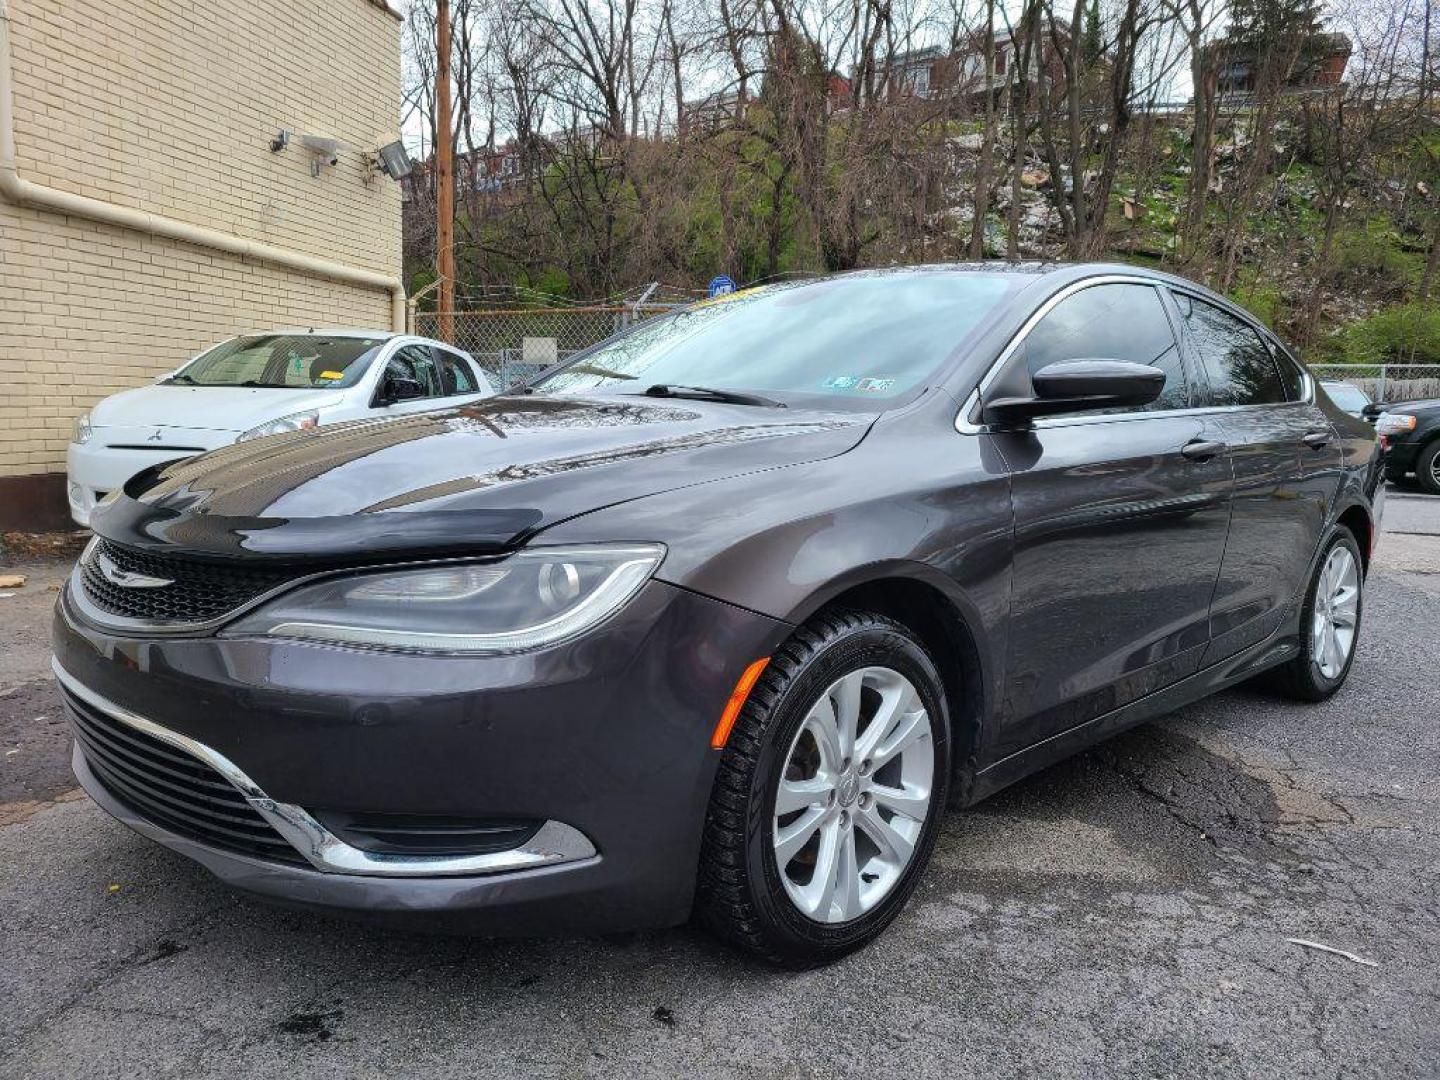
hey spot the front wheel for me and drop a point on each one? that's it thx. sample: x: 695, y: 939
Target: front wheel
x: 1427, y: 468
x: 829, y: 794
x: 1330, y: 625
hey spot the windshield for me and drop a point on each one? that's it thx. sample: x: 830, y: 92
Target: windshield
x: 1347, y: 396
x: 862, y: 337
x: 298, y: 361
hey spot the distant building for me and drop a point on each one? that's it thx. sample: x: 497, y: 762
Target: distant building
x: 933, y: 73
x: 1321, y: 65
x: 922, y: 73
x: 714, y: 111
x: 720, y: 110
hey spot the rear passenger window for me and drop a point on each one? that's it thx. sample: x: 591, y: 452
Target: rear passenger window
x: 1111, y: 322
x: 1235, y: 359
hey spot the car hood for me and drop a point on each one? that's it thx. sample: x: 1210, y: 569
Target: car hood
x: 482, y: 477
x: 206, y: 408
x: 1421, y: 405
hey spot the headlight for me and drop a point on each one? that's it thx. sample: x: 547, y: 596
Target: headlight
x: 1388, y: 423
x: 533, y: 598
x: 294, y: 422
x: 83, y: 430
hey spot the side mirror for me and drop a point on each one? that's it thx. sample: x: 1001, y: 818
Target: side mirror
x: 398, y: 388
x: 1371, y: 411
x: 1078, y: 385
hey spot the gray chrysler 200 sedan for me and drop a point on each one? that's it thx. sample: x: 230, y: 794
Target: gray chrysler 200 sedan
x: 719, y: 615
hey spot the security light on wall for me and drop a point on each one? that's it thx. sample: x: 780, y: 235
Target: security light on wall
x: 395, y: 161
x: 325, y: 151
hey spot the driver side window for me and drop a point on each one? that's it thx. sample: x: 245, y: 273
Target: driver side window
x: 414, y: 362
x: 1112, y: 322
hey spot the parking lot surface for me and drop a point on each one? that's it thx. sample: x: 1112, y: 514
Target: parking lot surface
x: 1126, y: 912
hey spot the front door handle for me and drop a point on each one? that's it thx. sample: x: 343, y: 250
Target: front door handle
x: 1202, y: 450
x: 1317, y: 440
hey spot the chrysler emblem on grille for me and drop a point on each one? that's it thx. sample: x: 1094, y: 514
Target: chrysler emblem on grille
x: 128, y: 579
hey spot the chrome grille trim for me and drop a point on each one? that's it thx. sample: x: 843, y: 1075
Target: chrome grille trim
x: 555, y: 843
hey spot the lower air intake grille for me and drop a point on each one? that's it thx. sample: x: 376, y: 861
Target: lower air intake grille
x: 198, y: 591
x: 167, y: 786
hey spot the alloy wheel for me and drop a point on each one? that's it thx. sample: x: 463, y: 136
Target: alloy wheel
x: 1336, y: 612
x: 854, y: 795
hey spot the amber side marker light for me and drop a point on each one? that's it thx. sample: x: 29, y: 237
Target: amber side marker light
x: 737, y: 702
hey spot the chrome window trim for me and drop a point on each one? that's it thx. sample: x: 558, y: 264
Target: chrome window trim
x: 553, y: 844
x: 965, y: 426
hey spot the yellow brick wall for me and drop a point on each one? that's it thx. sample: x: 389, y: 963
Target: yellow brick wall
x: 169, y: 106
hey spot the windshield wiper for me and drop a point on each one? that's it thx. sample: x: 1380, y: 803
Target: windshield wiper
x: 182, y: 379
x: 257, y: 382
x: 707, y: 393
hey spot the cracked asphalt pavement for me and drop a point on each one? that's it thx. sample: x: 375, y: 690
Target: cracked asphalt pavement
x: 1124, y: 913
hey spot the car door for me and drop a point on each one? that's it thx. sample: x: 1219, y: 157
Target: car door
x: 1285, y: 458
x: 1120, y: 522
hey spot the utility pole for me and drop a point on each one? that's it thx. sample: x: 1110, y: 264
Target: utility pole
x: 1425, y: 58
x: 444, y: 175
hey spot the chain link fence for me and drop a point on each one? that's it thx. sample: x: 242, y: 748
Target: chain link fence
x: 1386, y: 382
x: 513, y: 343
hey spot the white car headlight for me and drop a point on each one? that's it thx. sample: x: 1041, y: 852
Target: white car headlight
x: 533, y: 598
x: 299, y: 421
x: 83, y: 430
x: 1388, y: 423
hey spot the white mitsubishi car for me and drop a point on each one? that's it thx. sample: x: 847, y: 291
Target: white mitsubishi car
x: 263, y: 384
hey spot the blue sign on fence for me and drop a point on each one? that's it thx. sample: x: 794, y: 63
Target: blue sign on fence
x: 721, y: 285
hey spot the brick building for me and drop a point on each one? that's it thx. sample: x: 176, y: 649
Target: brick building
x: 149, y: 206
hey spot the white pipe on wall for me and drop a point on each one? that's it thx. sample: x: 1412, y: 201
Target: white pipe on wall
x: 40, y: 197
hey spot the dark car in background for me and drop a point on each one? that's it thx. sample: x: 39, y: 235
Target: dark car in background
x: 720, y: 615
x: 1411, y: 430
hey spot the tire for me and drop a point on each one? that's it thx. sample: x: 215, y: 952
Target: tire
x: 1427, y: 468
x: 744, y: 895
x: 1305, y: 677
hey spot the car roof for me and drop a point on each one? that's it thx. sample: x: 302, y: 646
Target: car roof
x: 326, y: 331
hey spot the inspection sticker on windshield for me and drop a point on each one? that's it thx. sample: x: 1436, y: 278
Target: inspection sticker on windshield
x: 840, y: 382
x: 874, y: 386
x: 332, y: 374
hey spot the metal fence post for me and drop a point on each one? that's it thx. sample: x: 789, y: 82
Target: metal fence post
x: 1380, y: 387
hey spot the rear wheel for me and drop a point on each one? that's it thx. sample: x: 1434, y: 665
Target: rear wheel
x: 830, y: 791
x: 1330, y: 627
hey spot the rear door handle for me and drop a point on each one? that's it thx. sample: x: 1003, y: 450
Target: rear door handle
x: 1202, y: 449
x: 1317, y: 440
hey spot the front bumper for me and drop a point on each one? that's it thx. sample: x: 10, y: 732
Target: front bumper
x: 95, y: 468
x: 1400, y: 457
x: 606, y: 738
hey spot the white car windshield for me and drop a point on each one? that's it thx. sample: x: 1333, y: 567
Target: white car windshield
x: 296, y: 361
x: 866, y: 337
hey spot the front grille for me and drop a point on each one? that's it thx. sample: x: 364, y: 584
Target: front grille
x: 170, y: 788
x: 200, y: 591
